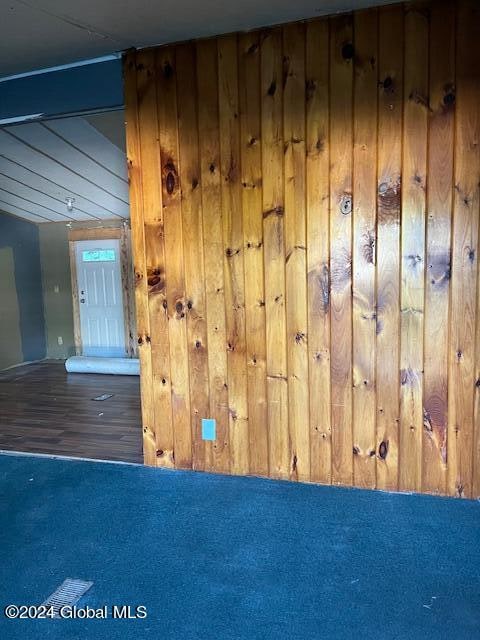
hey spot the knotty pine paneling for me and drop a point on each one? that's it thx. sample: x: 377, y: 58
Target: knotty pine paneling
x: 305, y: 218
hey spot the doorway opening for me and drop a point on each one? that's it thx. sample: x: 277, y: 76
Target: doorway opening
x: 102, y: 285
x: 66, y: 281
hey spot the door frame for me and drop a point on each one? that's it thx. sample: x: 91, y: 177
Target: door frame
x: 126, y: 269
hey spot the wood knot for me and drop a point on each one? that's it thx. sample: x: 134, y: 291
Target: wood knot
x: 310, y: 88
x: 348, y: 51
x: 356, y: 450
x: 179, y: 309
x: 383, y: 449
x: 294, y: 463
x: 389, y: 202
x: 419, y: 98
x: 167, y: 69
x: 272, y: 88
x: 414, y: 260
x: 387, y: 84
x: 346, y: 204
x: 153, y: 280
x: 368, y: 247
x: 170, y: 183
x: 427, y: 421
x: 275, y: 211
x: 299, y: 337
x: 449, y: 99
x: 407, y: 377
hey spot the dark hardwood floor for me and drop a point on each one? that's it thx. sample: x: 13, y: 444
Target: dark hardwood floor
x: 44, y: 409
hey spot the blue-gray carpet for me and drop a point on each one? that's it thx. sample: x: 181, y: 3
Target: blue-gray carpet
x: 220, y: 558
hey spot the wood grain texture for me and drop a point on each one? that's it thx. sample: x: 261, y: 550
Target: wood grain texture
x: 295, y: 248
x: 389, y: 184
x: 342, y: 53
x: 192, y: 220
x: 176, y: 302
x: 414, y: 180
x: 364, y: 248
x: 140, y: 105
x: 251, y: 178
x: 274, y: 252
x: 234, y: 279
x: 318, y: 247
x: 305, y: 207
x: 217, y: 454
x: 438, y: 258
x: 464, y: 252
x: 128, y: 284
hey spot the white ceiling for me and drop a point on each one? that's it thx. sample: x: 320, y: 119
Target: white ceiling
x: 44, y: 163
x: 35, y: 34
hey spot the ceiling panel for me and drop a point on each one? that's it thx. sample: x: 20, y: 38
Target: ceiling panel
x: 44, y: 164
x: 47, y: 214
x: 25, y: 178
x: 87, y: 140
x: 20, y: 213
x: 44, y: 33
x: 38, y: 199
x: 67, y: 155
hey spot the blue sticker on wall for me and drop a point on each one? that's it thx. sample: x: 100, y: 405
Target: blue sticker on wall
x: 208, y: 429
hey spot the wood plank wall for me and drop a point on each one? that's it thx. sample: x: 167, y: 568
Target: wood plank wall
x: 305, y: 218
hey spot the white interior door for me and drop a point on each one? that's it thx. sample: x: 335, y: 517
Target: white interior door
x: 99, y: 282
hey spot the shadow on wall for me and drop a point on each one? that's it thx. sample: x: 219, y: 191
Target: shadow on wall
x: 57, y: 290
x: 22, y: 327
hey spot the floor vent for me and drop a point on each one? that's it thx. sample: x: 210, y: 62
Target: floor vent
x: 67, y: 594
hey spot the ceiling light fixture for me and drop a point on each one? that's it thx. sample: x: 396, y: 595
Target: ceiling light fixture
x: 70, y: 202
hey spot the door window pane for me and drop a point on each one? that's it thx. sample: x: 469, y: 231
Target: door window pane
x: 99, y: 255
